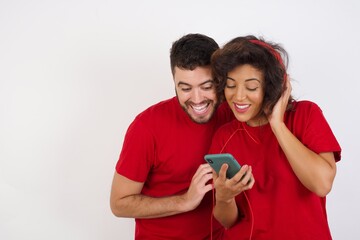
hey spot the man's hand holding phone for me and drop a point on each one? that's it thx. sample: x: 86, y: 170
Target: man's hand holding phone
x: 199, y: 186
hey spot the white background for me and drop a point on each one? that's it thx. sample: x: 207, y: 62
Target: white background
x: 73, y: 75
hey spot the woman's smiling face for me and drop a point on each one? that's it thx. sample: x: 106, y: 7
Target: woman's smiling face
x: 244, y: 92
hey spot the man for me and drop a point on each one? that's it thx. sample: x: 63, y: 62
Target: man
x: 161, y: 179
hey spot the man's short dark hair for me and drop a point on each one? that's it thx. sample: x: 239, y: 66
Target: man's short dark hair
x: 191, y: 51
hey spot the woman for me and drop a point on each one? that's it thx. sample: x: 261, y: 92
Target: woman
x: 286, y: 148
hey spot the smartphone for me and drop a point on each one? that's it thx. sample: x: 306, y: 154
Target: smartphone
x: 217, y: 160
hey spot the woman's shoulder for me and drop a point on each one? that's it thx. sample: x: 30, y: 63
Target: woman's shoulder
x: 302, y: 113
x: 304, y: 106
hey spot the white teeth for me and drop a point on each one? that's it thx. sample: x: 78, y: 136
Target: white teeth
x: 242, y: 106
x: 199, y: 108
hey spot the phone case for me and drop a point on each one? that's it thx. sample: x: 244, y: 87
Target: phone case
x: 217, y: 160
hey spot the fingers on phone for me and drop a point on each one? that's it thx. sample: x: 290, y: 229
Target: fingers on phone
x: 203, y: 169
x: 222, y: 172
x: 240, y: 175
x: 250, y: 183
x: 244, y: 177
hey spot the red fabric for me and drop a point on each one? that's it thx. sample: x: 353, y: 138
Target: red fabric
x: 164, y: 148
x: 273, y: 52
x: 282, y: 207
x: 270, y: 48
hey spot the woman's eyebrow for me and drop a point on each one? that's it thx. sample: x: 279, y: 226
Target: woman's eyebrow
x: 252, y: 79
x: 246, y: 80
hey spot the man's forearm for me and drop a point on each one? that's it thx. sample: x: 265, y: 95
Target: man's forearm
x: 141, y: 206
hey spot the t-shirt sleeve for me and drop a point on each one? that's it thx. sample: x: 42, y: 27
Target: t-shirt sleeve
x: 137, y: 153
x: 317, y: 134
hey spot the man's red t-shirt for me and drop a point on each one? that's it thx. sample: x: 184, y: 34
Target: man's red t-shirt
x: 163, y: 148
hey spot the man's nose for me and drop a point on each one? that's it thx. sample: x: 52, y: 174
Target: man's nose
x: 196, y: 96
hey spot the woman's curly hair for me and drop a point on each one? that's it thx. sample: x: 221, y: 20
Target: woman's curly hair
x: 269, y: 58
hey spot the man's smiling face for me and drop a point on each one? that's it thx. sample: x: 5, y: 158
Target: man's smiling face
x: 196, y: 93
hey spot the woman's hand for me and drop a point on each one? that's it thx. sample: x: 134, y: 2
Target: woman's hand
x: 227, y: 189
x: 277, y: 115
x: 226, y: 210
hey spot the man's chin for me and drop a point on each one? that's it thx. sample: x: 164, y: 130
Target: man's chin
x: 201, y: 119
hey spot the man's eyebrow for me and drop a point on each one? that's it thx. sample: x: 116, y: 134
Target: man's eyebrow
x: 206, y: 82
x: 183, y: 83
x: 189, y: 85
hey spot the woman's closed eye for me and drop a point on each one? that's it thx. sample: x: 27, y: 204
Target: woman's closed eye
x: 252, y: 89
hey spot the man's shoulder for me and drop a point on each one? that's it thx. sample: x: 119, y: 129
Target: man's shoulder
x: 160, y: 107
x: 163, y: 111
x: 224, y: 113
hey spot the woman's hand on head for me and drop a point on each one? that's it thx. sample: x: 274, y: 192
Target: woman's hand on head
x: 277, y: 115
